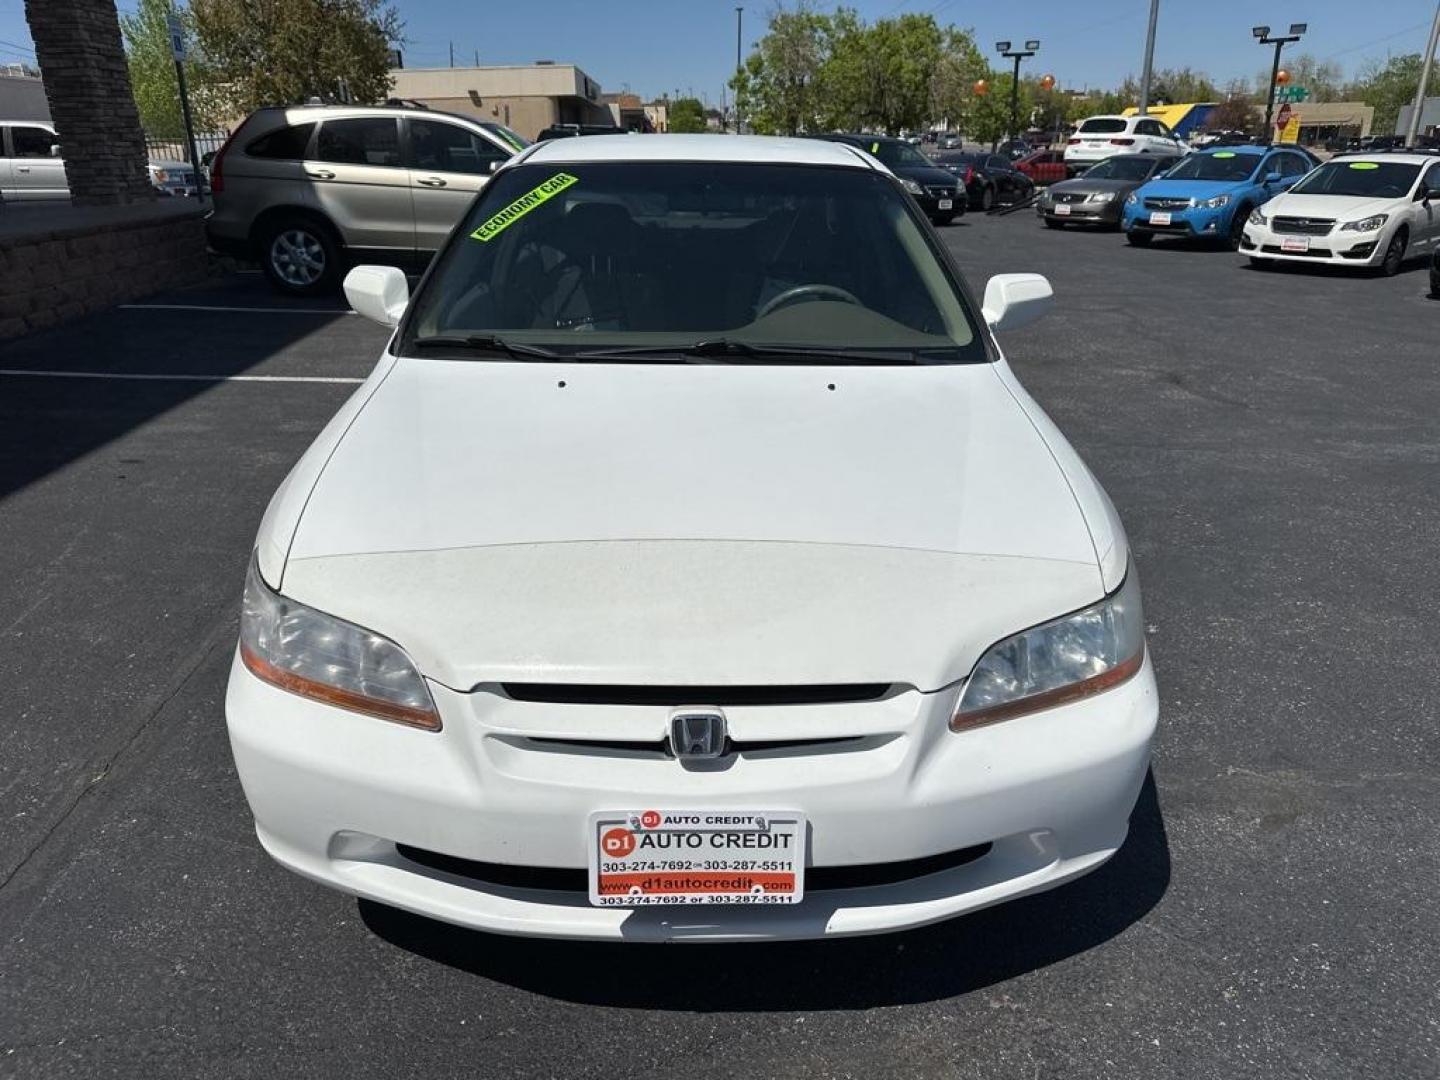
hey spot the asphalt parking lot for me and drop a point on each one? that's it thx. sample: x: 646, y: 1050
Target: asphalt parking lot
x: 1272, y: 442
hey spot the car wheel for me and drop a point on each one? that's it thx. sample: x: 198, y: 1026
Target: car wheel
x: 1138, y: 238
x: 1237, y: 227
x: 1394, y: 255
x: 987, y: 198
x: 300, y: 257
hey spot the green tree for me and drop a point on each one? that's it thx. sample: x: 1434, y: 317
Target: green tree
x: 1388, y: 86
x: 952, y: 84
x: 778, y: 89
x: 152, y: 71
x: 268, y: 52
x: 990, y: 120
x: 881, y: 75
x: 687, y: 116
x: 1235, y: 114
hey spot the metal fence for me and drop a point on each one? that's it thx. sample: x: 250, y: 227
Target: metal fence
x: 177, y: 150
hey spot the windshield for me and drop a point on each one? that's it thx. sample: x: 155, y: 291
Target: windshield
x: 1366, y: 179
x: 589, y: 256
x: 1225, y: 165
x: 506, y: 135
x: 894, y: 154
x: 1107, y: 126
x: 1121, y: 168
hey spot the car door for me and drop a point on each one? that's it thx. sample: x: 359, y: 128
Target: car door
x: 1292, y: 167
x: 36, y: 170
x: 1425, y: 236
x: 361, y: 184
x: 1003, y: 174
x: 446, y: 165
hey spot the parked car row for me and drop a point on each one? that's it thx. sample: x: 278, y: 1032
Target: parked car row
x: 32, y: 168
x: 1274, y: 203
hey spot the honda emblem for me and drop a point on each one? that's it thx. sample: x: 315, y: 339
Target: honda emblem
x: 697, y: 734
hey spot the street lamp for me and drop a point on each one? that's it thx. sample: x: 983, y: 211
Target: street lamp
x: 1003, y: 48
x: 739, y: 18
x: 1262, y: 35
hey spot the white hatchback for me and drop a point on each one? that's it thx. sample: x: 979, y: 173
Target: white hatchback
x: 692, y: 566
x: 1100, y: 137
x: 1355, y: 210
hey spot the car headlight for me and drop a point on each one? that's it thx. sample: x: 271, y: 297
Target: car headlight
x: 159, y: 175
x: 318, y: 656
x: 1131, y: 199
x: 1369, y: 224
x: 1256, y: 217
x: 1101, y: 196
x: 1215, y: 203
x: 1069, y: 658
x: 912, y: 187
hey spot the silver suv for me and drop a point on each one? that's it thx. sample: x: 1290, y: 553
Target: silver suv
x: 30, y: 165
x: 306, y: 189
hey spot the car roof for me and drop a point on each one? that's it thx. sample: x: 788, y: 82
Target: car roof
x: 755, y: 149
x: 1238, y: 148
x: 1404, y: 157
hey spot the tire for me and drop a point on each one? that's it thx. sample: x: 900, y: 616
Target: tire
x: 300, y: 256
x: 987, y: 198
x: 1051, y: 223
x: 1138, y: 238
x: 1237, y: 227
x: 1394, y: 255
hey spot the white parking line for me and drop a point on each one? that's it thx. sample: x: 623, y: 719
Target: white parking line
x: 30, y: 373
x: 253, y: 310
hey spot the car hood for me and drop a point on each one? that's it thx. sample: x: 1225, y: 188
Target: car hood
x: 1195, y: 189
x: 926, y: 174
x: 1338, y: 207
x: 1080, y: 184
x: 692, y: 524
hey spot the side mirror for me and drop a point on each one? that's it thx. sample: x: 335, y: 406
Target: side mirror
x: 54, y: 149
x: 1015, y: 300
x: 380, y: 293
x: 495, y: 164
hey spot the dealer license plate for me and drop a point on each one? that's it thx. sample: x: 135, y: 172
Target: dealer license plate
x: 1160, y: 217
x: 945, y: 204
x: 1295, y: 244
x: 1062, y: 209
x: 647, y: 857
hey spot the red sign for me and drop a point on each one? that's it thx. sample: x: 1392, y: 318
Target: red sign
x: 1283, y: 116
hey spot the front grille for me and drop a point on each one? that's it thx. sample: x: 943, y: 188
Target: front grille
x: 941, y: 192
x: 1303, y: 226
x: 1167, y: 204
x: 817, y: 878
x: 659, y: 749
x: 587, y: 694
x: 1070, y: 196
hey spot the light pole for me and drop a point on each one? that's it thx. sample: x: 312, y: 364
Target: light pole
x: 1003, y: 48
x: 1149, y: 58
x: 1414, y: 130
x: 1262, y: 34
x: 739, y: 18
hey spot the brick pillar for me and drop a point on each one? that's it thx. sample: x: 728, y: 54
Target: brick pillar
x: 82, y: 61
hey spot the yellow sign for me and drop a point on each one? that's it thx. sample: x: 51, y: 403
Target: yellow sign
x: 522, y: 206
x: 1291, y: 134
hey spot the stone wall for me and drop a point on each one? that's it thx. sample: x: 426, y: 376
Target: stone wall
x: 59, y: 266
x: 78, y: 47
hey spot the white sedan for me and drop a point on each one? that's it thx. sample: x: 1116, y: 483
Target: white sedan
x: 692, y: 566
x: 1355, y: 210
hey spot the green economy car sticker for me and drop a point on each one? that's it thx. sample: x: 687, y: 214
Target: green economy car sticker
x: 1364, y: 165
x: 1226, y: 153
x: 522, y: 206
x: 874, y: 148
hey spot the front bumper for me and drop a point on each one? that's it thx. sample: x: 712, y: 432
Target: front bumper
x: 1192, y: 221
x: 929, y: 203
x: 338, y: 798
x: 1335, y: 248
x: 1086, y: 213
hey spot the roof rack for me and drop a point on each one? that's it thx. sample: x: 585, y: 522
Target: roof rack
x: 406, y: 103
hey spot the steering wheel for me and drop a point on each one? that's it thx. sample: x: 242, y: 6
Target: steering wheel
x: 807, y: 292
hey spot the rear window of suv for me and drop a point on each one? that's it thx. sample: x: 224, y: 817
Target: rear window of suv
x: 1102, y: 127
x: 285, y: 144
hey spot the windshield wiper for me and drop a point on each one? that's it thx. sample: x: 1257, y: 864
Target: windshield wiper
x: 728, y: 350
x: 515, y: 350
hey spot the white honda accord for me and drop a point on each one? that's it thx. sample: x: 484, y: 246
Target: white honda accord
x: 691, y: 566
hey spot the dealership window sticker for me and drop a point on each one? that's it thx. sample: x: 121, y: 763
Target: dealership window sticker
x: 506, y: 217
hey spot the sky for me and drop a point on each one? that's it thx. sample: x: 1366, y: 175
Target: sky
x: 654, y: 47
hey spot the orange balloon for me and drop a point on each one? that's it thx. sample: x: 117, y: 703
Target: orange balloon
x: 982, y: 87
x: 1282, y: 77
x: 1047, y: 83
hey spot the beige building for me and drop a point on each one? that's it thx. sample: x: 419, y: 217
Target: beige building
x: 527, y: 98
x: 1322, y: 121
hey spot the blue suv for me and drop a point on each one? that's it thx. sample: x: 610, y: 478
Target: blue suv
x: 1209, y: 194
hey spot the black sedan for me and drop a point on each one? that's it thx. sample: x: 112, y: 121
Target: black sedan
x: 989, y: 179
x: 1096, y: 196
x: 932, y: 187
